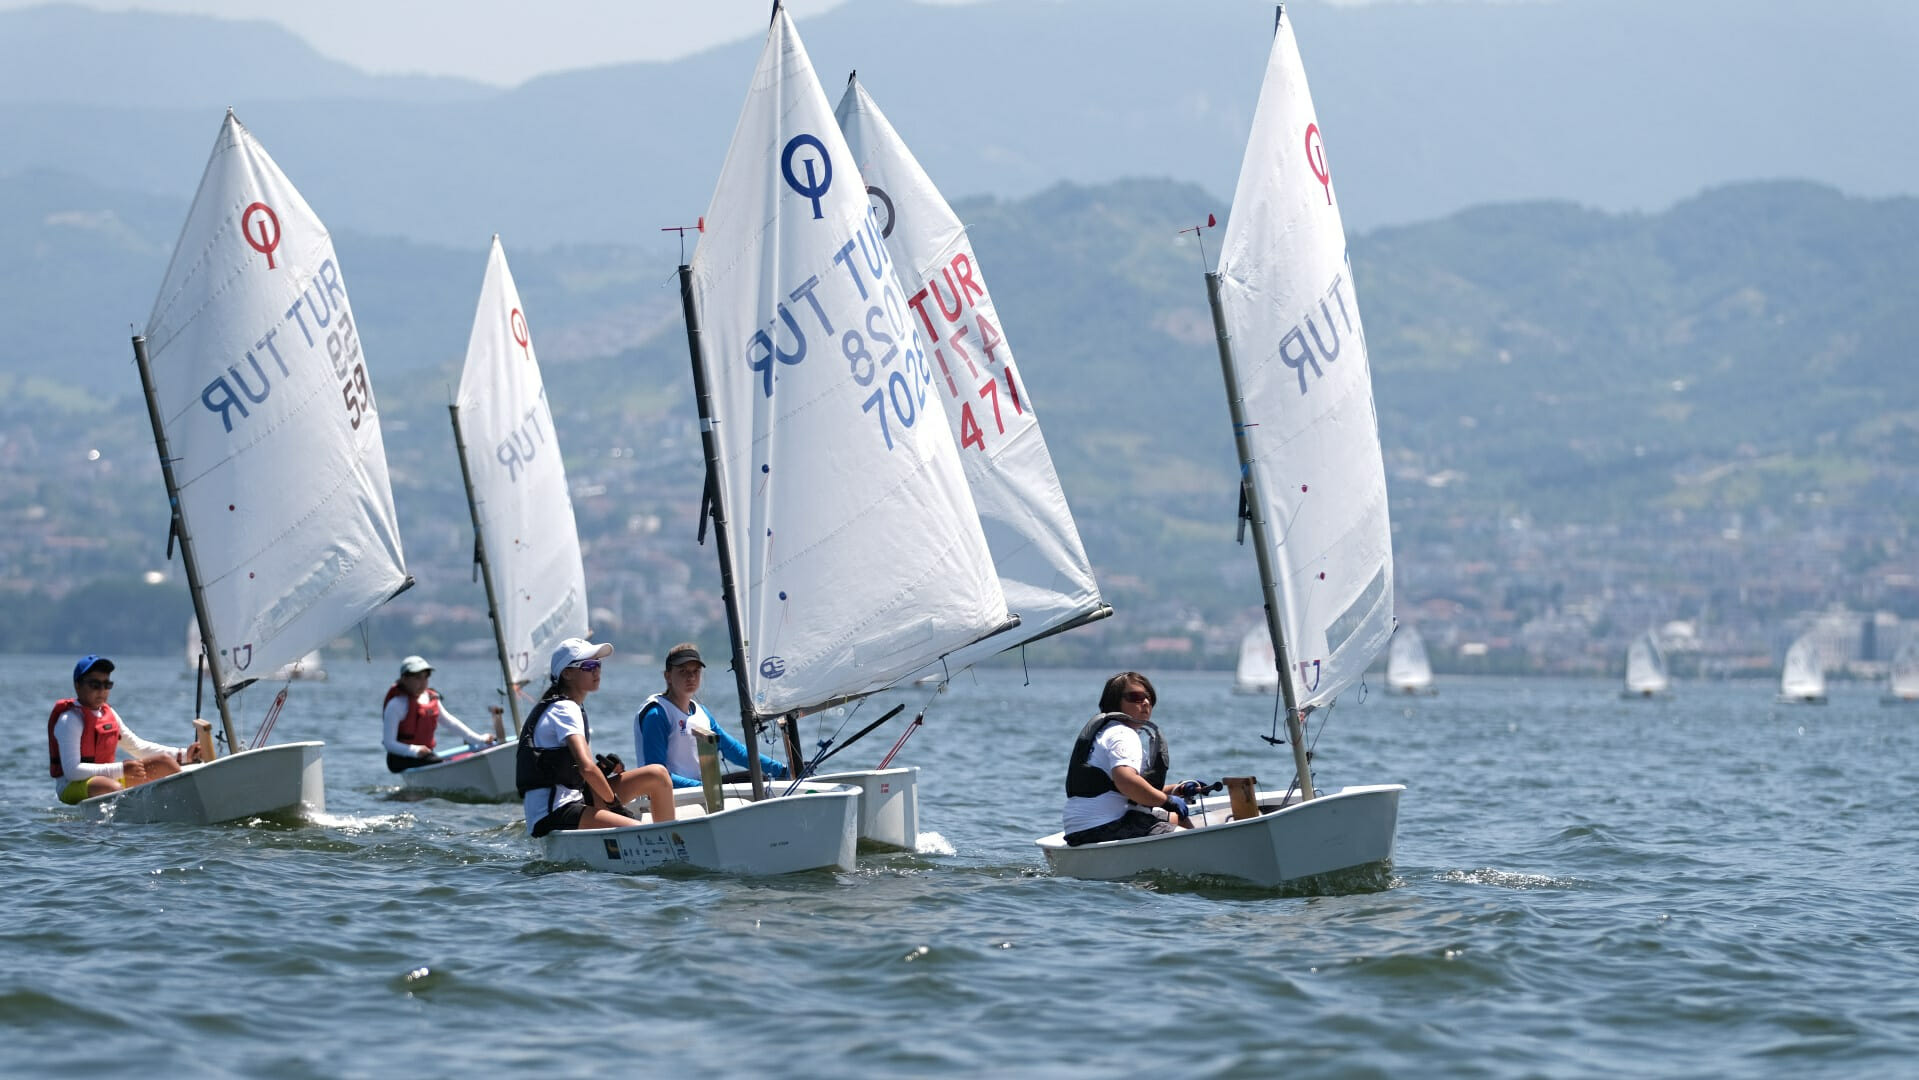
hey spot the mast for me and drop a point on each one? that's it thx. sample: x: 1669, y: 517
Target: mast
x: 710, y: 444
x: 1256, y: 516
x: 209, y: 648
x: 486, y: 570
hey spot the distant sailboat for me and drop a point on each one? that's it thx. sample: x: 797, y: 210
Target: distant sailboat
x: 1802, y: 679
x: 1902, y: 681
x: 1258, y: 670
x: 1646, y: 669
x: 1408, y: 671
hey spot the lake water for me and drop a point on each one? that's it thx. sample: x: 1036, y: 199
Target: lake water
x: 1708, y: 886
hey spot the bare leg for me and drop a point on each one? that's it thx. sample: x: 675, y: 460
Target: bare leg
x: 159, y: 765
x: 653, y: 783
x: 101, y: 785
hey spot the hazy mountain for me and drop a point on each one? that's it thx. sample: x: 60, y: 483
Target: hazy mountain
x: 63, y: 54
x: 1725, y: 360
x: 1428, y: 108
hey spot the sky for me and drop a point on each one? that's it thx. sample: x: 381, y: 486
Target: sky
x: 501, y: 42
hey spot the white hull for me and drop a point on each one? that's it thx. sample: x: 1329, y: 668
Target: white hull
x: 1897, y: 699
x: 1349, y: 828
x: 1645, y: 695
x: 810, y: 830
x: 487, y: 774
x: 889, y: 804
x: 1415, y: 690
x: 282, y: 779
x: 1800, y: 699
x: 1262, y: 689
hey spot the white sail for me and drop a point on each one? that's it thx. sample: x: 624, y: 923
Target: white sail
x: 1646, y: 667
x: 1258, y: 670
x: 856, y: 549
x: 264, y: 394
x: 1407, y: 668
x: 1903, y: 679
x: 519, y: 482
x: 1286, y: 287
x: 308, y: 666
x: 1037, y: 553
x: 1804, y: 673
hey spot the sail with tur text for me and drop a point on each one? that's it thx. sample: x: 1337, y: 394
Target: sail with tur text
x: 1286, y: 290
x: 855, y: 548
x: 520, y: 497
x: 1036, y: 546
x: 267, y: 404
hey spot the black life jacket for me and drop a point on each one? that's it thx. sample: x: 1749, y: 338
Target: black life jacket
x: 545, y: 767
x: 1084, y: 781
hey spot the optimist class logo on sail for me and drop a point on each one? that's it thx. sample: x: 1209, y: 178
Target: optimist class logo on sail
x: 881, y: 347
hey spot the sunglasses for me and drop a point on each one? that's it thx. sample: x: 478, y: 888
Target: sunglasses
x: 587, y: 665
x: 1139, y: 697
x: 98, y: 684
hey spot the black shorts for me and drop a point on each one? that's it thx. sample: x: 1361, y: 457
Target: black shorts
x: 396, y: 763
x: 1125, y: 827
x: 565, y: 818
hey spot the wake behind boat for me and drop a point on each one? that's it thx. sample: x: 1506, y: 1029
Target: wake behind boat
x: 1308, y: 441
x: 269, y: 443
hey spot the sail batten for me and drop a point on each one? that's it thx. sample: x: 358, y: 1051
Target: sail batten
x: 856, y: 550
x: 1311, y: 444
x: 264, y: 394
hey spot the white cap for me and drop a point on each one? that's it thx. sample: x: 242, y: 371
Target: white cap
x: 573, y: 650
x: 413, y: 665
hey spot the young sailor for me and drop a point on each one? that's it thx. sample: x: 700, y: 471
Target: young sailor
x: 412, y: 715
x: 561, y: 783
x: 85, y: 735
x: 1116, y: 778
x: 663, y: 730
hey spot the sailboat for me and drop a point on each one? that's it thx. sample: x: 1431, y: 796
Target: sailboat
x: 270, y: 447
x: 308, y: 668
x: 1902, y: 680
x: 850, y: 551
x: 1802, y: 679
x: 526, y: 548
x: 1258, y: 669
x: 1646, y: 669
x: 1408, y: 671
x: 1313, y: 490
x: 1041, y: 563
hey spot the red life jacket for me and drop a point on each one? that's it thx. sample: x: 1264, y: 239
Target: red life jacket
x: 99, y: 737
x: 421, y: 722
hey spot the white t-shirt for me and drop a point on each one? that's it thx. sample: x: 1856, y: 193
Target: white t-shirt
x: 1115, y: 746
x: 561, y: 719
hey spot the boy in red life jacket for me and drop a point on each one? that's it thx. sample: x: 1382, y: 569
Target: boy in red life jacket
x: 412, y: 716
x: 85, y: 736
